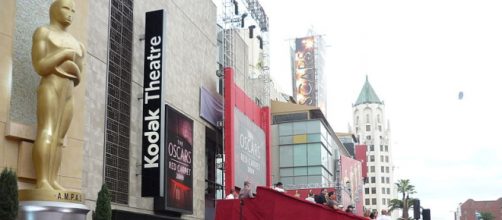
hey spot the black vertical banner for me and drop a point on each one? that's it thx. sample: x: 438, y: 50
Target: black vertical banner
x: 152, y: 169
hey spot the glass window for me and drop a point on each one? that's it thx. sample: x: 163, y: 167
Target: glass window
x: 367, y: 201
x: 384, y: 201
x: 382, y: 179
x: 314, y: 170
x: 387, y: 179
x: 300, y: 171
x: 299, y: 128
x: 388, y: 190
x: 372, y: 147
x: 324, y: 157
x: 381, y: 158
x: 379, y: 128
x: 386, y: 148
x: 382, y: 169
x: 285, y: 129
x: 372, y: 158
x: 300, y: 155
x: 373, y: 201
x: 314, y: 138
x: 285, y: 140
x: 324, y: 133
x: 366, y: 191
x: 313, y: 127
x: 287, y: 180
x: 286, y: 156
x: 372, y: 169
x: 314, y: 179
x: 314, y: 154
x: 386, y: 158
x: 381, y: 148
x: 373, y: 190
x: 387, y: 169
x: 383, y: 190
x: 373, y: 179
x: 286, y: 172
x: 368, y: 127
x: 368, y: 137
x: 300, y: 180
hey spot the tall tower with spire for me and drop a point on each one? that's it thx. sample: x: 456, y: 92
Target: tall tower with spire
x: 371, y: 129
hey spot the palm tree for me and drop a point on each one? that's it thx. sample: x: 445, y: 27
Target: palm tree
x: 406, y: 189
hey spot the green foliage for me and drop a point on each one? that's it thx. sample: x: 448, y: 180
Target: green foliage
x: 9, y: 203
x: 103, y: 205
x: 406, y: 189
x: 487, y: 216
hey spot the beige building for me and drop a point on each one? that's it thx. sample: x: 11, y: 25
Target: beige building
x: 103, y: 144
x: 372, y: 129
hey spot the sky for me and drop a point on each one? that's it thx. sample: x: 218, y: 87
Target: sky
x: 418, y: 56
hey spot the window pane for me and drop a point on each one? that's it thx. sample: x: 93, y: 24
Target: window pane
x: 285, y: 129
x: 300, y: 155
x: 285, y: 156
x: 366, y: 190
x: 314, y: 179
x: 372, y: 158
x: 286, y: 172
x: 313, y: 127
x: 314, y: 170
x: 373, y: 179
x: 373, y: 201
x: 299, y: 128
x: 367, y: 201
x: 324, y: 157
x: 314, y: 138
x: 300, y: 171
x: 285, y: 140
x: 314, y: 154
x: 300, y: 180
x: 287, y: 180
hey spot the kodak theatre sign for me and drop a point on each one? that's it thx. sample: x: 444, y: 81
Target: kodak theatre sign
x: 152, y: 170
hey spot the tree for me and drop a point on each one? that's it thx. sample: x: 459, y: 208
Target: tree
x: 9, y: 203
x: 406, y: 189
x: 487, y: 216
x: 103, y: 205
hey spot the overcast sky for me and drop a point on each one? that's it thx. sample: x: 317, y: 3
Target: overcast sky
x: 418, y: 56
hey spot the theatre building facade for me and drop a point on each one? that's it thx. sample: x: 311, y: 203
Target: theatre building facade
x: 138, y: 121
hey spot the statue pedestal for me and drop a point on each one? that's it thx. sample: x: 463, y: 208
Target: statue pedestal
x: 44, y: 210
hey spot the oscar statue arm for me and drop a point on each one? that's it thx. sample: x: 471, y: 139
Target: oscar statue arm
x: 44, y: 63
x: 80, y: 60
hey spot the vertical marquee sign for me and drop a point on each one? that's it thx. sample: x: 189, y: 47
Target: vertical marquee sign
x: 304, y: 75
x: 152, y: 172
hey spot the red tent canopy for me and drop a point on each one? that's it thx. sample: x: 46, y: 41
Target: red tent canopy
x: 270, y: 204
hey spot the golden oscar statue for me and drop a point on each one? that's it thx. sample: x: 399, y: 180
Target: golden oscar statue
x: 57, y: 57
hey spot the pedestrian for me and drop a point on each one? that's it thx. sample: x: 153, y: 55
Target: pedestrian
x: 246, y: 191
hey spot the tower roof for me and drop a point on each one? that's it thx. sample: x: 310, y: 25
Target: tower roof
x: 367, y: 95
